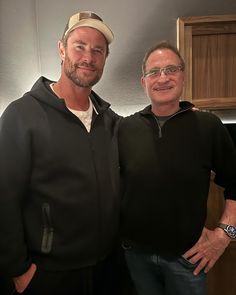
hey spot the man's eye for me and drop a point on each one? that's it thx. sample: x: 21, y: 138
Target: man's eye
x: 98, y: 50
x: 170, y: 70
x: 81, y: 47
x: 156, y: 72
x: 153, y: 72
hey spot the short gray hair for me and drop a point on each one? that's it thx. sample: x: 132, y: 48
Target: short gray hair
x: 162, y: 45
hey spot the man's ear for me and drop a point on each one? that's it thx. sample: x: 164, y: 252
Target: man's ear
x: 142, y: 81
x: 61, y: 50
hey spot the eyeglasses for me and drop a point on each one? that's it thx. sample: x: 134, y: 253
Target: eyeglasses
x: 168, y: 71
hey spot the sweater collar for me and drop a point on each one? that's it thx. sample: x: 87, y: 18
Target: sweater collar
x: 183, y: 106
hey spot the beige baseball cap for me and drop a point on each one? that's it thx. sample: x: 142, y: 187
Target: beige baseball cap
x: 88, y: 19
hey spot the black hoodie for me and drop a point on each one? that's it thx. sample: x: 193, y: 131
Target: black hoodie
x: 59, y: 204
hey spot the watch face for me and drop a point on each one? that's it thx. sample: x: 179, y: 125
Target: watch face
x: 231, y: 231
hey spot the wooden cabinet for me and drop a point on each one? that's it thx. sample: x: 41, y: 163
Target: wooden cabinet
x: 208, y: 46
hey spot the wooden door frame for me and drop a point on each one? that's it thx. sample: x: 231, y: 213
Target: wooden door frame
x: 185, y: 28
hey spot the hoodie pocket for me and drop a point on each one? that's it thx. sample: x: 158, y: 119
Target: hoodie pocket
x: 47, y: 238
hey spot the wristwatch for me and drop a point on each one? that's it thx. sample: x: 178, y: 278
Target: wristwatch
x: 230, y: 230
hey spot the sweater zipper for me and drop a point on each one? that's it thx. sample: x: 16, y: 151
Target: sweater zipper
x: 159, y: 126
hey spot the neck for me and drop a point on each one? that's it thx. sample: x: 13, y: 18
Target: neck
x: 165, y: 109
x: 76, y: 98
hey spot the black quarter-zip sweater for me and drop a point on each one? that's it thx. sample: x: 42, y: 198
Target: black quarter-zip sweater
x: 59, y: 201
x: 165, y: 174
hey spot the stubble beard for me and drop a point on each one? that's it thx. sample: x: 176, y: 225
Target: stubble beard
x: 70, y: 70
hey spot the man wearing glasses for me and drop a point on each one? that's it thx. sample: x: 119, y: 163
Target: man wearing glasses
x: 59, y: 202
x: 167, y: 153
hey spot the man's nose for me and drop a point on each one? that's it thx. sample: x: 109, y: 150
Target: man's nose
x: 87, y: 56
x: 163, y: 75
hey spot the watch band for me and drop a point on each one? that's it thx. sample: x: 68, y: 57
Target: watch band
x: 222, y: 225
x: 230, y: 230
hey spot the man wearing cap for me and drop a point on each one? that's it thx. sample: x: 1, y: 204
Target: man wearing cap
x: 59, y: 203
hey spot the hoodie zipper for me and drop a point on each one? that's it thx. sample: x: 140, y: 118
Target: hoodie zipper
x: 47, y: 238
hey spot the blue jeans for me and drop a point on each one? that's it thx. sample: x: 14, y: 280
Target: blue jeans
x: 153, y: 274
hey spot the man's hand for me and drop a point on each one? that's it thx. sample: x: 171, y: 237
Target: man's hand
x: 23, y: 281
x: 208, y: 249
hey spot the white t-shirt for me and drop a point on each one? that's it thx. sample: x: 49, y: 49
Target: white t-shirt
x: 85, y: 116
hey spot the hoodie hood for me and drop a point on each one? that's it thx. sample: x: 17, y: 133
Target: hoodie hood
x: 41, y: 91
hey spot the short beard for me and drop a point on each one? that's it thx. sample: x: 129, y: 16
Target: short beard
x: 70, y: 71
